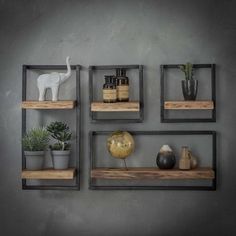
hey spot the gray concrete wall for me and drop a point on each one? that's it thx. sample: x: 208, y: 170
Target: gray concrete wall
x: 117, y: 32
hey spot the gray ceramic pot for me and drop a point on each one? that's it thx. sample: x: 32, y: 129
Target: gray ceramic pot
x: 34, y: 160
x: 61, y: 159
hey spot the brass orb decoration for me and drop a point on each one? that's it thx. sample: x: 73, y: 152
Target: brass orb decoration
x: 120, y: 144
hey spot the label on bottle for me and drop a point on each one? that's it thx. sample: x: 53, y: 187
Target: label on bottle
x: 123, y: 92
x: 109, y: 94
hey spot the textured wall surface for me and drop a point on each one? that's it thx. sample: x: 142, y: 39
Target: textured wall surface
x: 117, y: 32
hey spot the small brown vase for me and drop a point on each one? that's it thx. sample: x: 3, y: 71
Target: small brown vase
x: 193, y: 161
x: 184, y: 162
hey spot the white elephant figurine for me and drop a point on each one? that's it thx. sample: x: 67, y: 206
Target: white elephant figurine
x: 52, y: 81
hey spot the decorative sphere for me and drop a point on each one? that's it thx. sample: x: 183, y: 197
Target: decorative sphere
x: 120, y: 144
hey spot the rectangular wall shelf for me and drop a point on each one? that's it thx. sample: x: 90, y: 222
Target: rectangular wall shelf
x: 201, y: 178
x: 209, y: 106
x: 189, y: 105
x: 49, y: 174
x: 48, y: 104
x: 115, y: 107
x: 68, y: 179
x: 151, y: 173
x: 97, y: 108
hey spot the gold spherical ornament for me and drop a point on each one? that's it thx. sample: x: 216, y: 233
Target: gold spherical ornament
x: 120, y: 144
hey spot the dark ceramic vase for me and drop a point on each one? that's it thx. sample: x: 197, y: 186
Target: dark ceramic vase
x: 165, y: 158
x: 189, y: 88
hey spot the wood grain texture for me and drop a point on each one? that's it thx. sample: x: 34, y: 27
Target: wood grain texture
x: 68, y: 104
x: 151, y: 173
x: 115, y: 107
x: 48, y: 174
x: 189, y: 105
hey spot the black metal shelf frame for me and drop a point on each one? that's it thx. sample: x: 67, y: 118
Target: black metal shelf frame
x: 77, y: 108
x: 93, y: 68
x: 93, y: 186
x: 213, y: 95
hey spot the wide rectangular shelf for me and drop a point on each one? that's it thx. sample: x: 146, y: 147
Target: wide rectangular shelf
x: 66, y: 104
x: 115, y: 107
x: 189, y: 105
x: 48, y: 174
x: 152, y: 173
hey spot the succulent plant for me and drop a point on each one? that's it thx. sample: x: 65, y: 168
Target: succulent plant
x: 61, y: 132
x: 35, y: 140
x: 188, y: 70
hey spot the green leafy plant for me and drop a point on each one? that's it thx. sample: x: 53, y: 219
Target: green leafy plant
x: 35, y: 140
x: 61, y: 132
x: 188, y: 70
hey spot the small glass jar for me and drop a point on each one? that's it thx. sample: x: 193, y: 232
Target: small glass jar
x: 122, y: 82
x: 109, y: 89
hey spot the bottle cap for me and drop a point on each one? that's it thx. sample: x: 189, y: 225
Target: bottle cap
x: 110, y: 79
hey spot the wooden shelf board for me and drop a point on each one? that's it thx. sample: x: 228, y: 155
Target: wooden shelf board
x: 189, y: 105
x: 66, y: 104
x: 132, y: 106
x: 48, y: 174
x: 151, y: 173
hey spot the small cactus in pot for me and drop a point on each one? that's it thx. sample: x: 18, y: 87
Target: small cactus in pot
x: 189, y: 85
x: 61, y: 149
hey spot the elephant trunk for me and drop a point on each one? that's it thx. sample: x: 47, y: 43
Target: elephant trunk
x: 68, y: 73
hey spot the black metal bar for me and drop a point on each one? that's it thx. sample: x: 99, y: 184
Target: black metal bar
x: 187, y: 120
x: 214, y: 159
x: 141, y: 96
x: 49, y: 187
x: 91, y: 154
x: 92, y: 186
x: 110, y: 67
x: 162, y: 98
x: 160, y: 132
x: 78, y: 127
x: 213, y: 92
x: 90, y: 92
x: 23, y: 116
x: 116, y: 121
x: 176, y: 66
x: 201, y: 188
x: 50, y: 67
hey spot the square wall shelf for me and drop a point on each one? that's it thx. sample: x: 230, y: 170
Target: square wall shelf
x: 187, y: 107
x: 144, y: 174
x: 118, y: 110
x: 51, y: 179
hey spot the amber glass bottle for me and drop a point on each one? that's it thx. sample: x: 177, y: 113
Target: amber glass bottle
x: 109, y: 89
x: 122, y: 82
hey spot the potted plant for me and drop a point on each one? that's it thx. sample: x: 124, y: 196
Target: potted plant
x: 189, y: 85
x: 34, y: 144
x: 61, y: 149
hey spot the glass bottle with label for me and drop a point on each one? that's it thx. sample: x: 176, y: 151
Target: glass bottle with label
x: 122, y: 82
x: 109, y: 89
